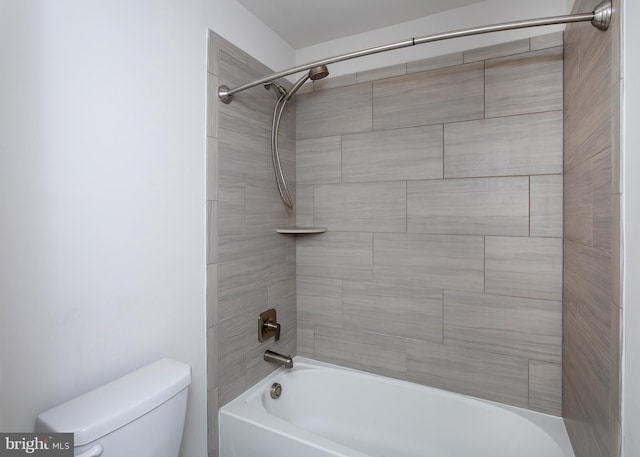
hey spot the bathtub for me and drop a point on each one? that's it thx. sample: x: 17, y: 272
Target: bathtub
x: 326, y: 410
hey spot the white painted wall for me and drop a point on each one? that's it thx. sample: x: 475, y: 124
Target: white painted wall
x: 484, y: 13
x: 102, y: 193
x: 631, y: 154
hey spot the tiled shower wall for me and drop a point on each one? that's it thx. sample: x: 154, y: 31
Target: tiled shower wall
x: 592, y: 306
x: 250, y: 267
x: 440, y: 182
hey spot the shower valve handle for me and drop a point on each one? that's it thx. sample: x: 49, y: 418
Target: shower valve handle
x: 270, y: 325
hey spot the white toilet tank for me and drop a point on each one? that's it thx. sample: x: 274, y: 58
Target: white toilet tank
x: 139, y: 415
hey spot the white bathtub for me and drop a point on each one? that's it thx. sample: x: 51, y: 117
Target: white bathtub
x: 326, y: 410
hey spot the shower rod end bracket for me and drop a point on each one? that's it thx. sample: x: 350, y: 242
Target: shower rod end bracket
x: 224, y: 95
x: 602, y: 15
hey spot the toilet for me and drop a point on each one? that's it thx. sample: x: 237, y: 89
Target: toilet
x: 138, y: 415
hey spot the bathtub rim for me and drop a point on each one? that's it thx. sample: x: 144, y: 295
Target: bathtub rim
x: 241, y: 408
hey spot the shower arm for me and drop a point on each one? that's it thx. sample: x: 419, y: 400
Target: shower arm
x: 600, y: 18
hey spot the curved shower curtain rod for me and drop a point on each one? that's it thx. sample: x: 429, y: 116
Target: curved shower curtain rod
x: 600, y: 18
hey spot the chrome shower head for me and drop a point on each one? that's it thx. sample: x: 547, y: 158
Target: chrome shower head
x: 319, y: 72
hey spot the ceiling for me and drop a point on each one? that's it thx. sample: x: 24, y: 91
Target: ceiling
x: 304, y: 23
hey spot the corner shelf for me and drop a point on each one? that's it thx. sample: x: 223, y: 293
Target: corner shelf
x: 300, y: 230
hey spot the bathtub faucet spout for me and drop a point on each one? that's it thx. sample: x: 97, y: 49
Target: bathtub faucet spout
x: 280, y: 359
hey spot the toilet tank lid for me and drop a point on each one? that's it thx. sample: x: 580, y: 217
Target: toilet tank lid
x: 113, y: 405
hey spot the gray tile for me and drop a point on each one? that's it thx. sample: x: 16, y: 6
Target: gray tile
x: 410, y: 312
x: 334, y: 81
x: 545, y: 387
x: 365, y: 351
x: 212, y: 54
x: 521, y: 327
x: 524, y: 267
x: 601, y: 180
x: 524, y: 83
x: 336, y: 255
x: 231, y: 206
x: 334, y: 112
x: 212, y: 357
x: 492, y: 376
x: 504, y: 147
x: 212, y: 295
x: 212, y: 169
x: 586, y: 373
x: 393, y: 155
x: 242, y: 151
x: 264, y: 208
x: 588, y: 283
x: 319, y: 300
x: 381, y: 73
x: 479, y: 206
x: 546, y: 206
x: 212, y: 106
x: 434, y: 63
x: 304, y: 205
x: 433, y: 97
x: 550, y: 40
x: 250, y: 262
x: 329, y: 289
x: 212, y: 420
x: 578, y: 204
x: 248, y: 301
x: 497, y: 50
x: 361, y: 207
x: 318, y: 160
x: 437, y: 261
x: 290, y: 255
x: 212, y: 232
x: 305, y: 339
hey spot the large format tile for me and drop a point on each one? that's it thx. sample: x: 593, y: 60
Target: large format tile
x: 433, y: 97
x: 480, y: 374
x: 336, y: 255
x: 365, y: 351
x: 411, y: 312
x: 436, y: 261
x: 334, y: 112
x: 212, y: 169
x: 304, y: 205
x: 212, y: 232
x: 546, y: 205
x: 361, y: 207
x: 433, y: 63
x: 521, y: 327
x: 497, y: 50
x: 524, y: 83
x: 545, y: 387
x: 319, y: 300
x: 381, y: 73
x: 524, y: 267
x: 601, y: 179
x: 318, y: 160
x: 247, y: 262
x: 480, y: 206
x: 504, y: 147
x: 550, y: 40
x: 264, y: 208
x: 393, y: 155
x: 231, y: 205
x: 578, y: 204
